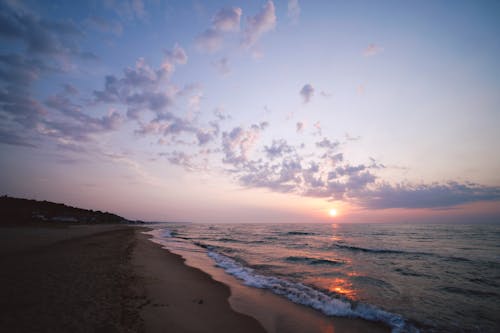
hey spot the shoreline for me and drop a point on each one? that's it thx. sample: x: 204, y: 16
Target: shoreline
x: 275, y: 313
x: 113, y: 278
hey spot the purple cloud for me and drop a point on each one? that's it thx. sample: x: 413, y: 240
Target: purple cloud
x: 307, y: 92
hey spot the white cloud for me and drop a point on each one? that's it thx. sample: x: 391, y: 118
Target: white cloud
x: 259, y: 24
x: 227, y: 19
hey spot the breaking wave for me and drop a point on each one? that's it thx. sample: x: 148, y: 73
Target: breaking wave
x: 305, y: 295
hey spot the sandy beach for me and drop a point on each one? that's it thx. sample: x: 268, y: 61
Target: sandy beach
x: 113, y: 279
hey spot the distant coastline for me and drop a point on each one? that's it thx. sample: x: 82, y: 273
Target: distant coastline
x: 19, y: 211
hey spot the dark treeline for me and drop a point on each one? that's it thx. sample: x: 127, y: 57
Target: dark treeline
x: 25, y: 211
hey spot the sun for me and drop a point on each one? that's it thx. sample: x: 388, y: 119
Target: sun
x: 333, y: 212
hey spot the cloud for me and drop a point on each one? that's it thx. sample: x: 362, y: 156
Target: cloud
x: 16, y: 69
x: 277, y: 149
x: 426, y: 195
x: 328, y: 144
x: 128, y: 9
x: 106, y: 25
x: 20, y: 107
x: 209, y: 41
x: 372, y: 49
x: 317, y: 126
x: 300, y: 127
x: 221, y: 114
x: 10, y: 137
x: 39, y: 36
x: 307, y: 92
x: 176, y: 56
x: 237, y: 143
x: 142, y: 87
x: 222, y: 66
x: 293, y: 10
x: 227, y: 19
x: 258, y: 25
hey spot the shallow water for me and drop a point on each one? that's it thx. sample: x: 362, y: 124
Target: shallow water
x: 434, y: 278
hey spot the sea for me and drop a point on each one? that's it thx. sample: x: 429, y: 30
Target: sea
x: 412, y: 277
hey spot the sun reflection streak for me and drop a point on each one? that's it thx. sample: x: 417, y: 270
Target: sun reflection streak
x: 339, y: 286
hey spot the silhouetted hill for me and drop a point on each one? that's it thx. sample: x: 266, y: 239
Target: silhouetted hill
x: 25, y: 211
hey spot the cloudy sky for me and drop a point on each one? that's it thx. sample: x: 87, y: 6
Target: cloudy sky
x: 254, y: 111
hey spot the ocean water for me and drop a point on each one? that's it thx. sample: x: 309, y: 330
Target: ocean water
x: 425, y: 277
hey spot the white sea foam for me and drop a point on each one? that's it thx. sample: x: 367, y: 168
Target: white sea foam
x: 166, y: 233
x: 305, y: 295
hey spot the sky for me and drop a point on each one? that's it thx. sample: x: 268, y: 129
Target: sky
x: 254, y: 111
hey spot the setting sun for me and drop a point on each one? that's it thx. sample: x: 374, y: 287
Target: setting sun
x: 333, y: 212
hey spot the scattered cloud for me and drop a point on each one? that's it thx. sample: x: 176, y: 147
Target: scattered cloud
x: 209, y: 41
x: 222, y: 66
x: 426, y: 195
x: 106, y: 25
x: 293, y: 10
x: 307, y: 92
x: 227, y: 19
x: 258, y: 25
x: 237, y: 143
x: 224, y: 21
x: 300, y: 126
x: 39, y: 36
x: 372, y: 49
x: 277, y: 149
x: 128, y: 9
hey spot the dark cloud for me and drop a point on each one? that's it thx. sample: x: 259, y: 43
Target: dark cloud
x: 39, y: 36
x: 277, y: 149
x: 18, y: 106
x: 326, y: 143
x: 426, y: 195
x: 307, y: 92
x: 16, y: 69
x: 14, y: 138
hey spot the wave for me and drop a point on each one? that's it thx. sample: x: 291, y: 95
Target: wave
x: 300, y: 233
x: 165, y: 233
x: 363, y: 249
x: 469, y: 292
x: 314, y: 261
x: 305, y: 295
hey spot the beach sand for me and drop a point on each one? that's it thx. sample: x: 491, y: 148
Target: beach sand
x: 113, y: 279
x: 68, y: 279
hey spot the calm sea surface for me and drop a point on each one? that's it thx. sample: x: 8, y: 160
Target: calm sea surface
x: 431, y: 278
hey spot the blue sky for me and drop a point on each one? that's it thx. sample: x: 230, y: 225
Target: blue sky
x: 255, y: 111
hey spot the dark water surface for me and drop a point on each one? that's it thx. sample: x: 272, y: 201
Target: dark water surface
x: 427, y: 277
